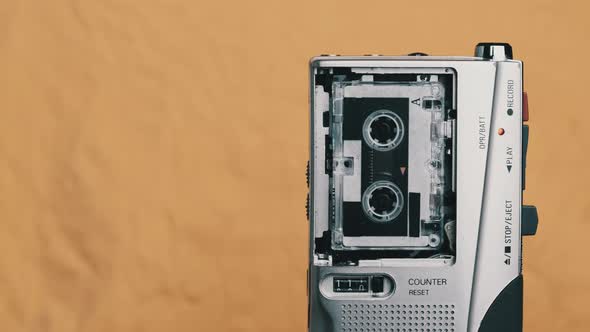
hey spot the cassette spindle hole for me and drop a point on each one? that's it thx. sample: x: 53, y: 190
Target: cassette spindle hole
x: 383, y: 201
x: 383, y: 130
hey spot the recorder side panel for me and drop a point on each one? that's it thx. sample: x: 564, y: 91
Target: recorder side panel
x: 499, y: 242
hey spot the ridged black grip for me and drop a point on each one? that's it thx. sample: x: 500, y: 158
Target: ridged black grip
x: 505, y: 313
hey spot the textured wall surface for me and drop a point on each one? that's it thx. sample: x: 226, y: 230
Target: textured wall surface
x: 152, y: 154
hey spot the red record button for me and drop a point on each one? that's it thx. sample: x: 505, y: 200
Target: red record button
x: 525, y: 107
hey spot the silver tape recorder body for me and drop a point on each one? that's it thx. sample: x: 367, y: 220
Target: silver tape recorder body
x: 416, y: 177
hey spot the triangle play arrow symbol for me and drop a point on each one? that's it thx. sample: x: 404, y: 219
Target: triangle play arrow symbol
x: 509, y: 168
x: 403, y: 169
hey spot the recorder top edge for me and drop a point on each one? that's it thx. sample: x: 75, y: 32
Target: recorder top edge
x: 338, y: 60
x: 483, y: 52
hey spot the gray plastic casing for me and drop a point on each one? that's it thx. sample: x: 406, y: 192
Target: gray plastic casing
x: 489, y: 201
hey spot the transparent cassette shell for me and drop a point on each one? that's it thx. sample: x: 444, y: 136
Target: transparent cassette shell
x: 422, y: 167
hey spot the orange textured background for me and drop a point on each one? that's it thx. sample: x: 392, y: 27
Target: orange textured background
x: 152, y: 154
